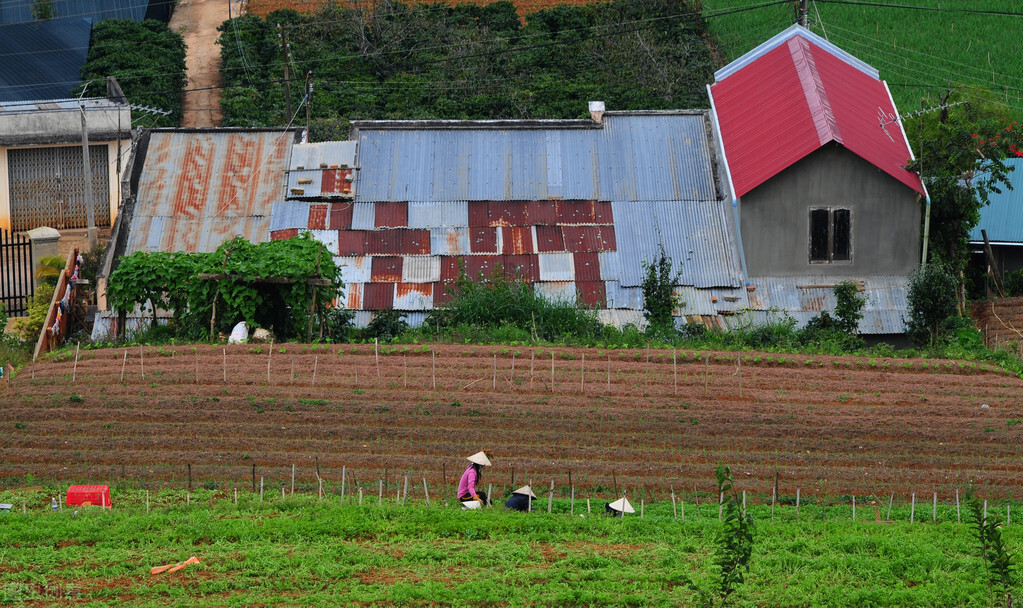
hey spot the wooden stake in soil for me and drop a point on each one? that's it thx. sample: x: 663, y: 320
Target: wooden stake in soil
x: 571, y: 503
x: 284, y: 494
x: 985, y: 509
x: 959, y: 519
x: 434, y: 353
x: 260, y: 490
x: 142, y: 362
x: 344, y: 476
x: 319, y: 483
x: 147, y: 500
x: 587, y: 505
x: 123, y: 362
x: 674, y: 509
x: 490, y: 492
x: 854, y: 507
x: 235, y: 495
x: 744, y: 503
x: 360, y: 497
x: 582, y: 374
x: 797, y: 503
x: 404, y: 495
x: 189, y: 477
x: 188, y: 498
x: 550, y: 497
x: 552, y: 371
x: 934, y: 511
x: 316, y: 363
x: 912, y: 506
x: 74, y: 374
x: 774, y: 497
x: 426, y: 492
x: 721, y: 505
x: 292, y: 480
x: 891, y: 499
x: 380, y: 496
x: 609, y: 373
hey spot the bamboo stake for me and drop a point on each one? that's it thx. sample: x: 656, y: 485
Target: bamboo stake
x: 587, y: 505
x: 721, y: 505
x: 985, y: 509
x: 797, y: 503
x: 404, y: 495
x: 284, y: 493
x: 344, y: 478
x: 319, y: 483
x: 641, y: 508
x: 316, y: 363
x: 147, y: 500
x: 380, y: 496
x: 74, y: 374
x: 490, y: 493
x: 891, y: 499
x: 550, y: 497
x: 426, y: 492
x: 260, y: 490
x: 744, y: 503
x: 571, y: 504
x: 934, y: 511
x: 674, y: 509
x: 376, y: 353
x: 123, y: 362
x: 434, y: 353
x: 582, y: 374
x: 958, y: 517
x: 854, y: 507
x: 292, y: 480
x: 683, y: 510
x: 674, y: 368
x: 912, y: 506
x: 360, y: 497
x: 774, y: 497
x: 188, y: 498
x: 552, y: 371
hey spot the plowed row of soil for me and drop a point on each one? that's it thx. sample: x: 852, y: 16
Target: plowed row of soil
x: 826, y: 425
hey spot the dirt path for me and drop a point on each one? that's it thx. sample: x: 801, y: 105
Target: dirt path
x: 197, y: 21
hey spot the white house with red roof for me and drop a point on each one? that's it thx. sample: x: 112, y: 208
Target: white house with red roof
x: 814, y: 158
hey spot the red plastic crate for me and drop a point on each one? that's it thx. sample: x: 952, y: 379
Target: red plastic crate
x: 94, y: 495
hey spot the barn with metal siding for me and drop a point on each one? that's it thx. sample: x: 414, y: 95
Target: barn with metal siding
x: 574, y: 207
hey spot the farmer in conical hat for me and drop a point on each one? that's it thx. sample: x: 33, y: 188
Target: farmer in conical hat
x: 520, y: 499
x: 467, y: 491
x: 619, y: 507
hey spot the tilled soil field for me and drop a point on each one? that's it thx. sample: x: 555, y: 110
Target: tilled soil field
x: 828, y: 426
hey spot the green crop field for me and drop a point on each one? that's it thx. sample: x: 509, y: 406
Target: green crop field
x: 918, y: 52
x: 299, y: 551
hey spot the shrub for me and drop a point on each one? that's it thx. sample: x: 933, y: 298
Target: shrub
x: 386, y: 324
x: 659, y: 299
x: 1014, y: 283
x: 931, y: 299
x: 848, y: 307
x: 39, y: 305
x: 998, y: 566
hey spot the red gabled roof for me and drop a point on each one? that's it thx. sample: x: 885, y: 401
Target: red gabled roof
x: 796, y: 93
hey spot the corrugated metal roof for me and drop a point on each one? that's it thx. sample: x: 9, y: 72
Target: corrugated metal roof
x: 623, y: 297
x: 557, y: 291
x: 413, y: 296
x: 421, y: 269
x: 49, y: 55
x: 655, y: 156
x: 806, y: 95
x: 328, y: 238
x: 438, y: 214
x: 289, y: 214
x: 556, y: 266
x: 364, y: 216
x: 1003, y: 218
x: 322, y: 155
x: 694, y: 234
x: 355, y: 269
x: 208, y: 186
x: 804, y: 297
x: 21, y: 12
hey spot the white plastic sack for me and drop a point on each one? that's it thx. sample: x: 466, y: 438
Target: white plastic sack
x: 239, y: 334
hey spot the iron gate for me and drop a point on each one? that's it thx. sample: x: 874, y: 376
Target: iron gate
x: 16, y: 281
x: 47, y: 187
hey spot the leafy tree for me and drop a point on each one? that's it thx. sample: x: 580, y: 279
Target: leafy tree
x: 998, y: 566
x: 931, y: 299
x: 962, y: 161
x: 148, y: 61
x: 659, y: 299
x: 848, y: 307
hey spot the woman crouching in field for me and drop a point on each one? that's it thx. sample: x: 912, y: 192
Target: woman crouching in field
x: 467, y: 492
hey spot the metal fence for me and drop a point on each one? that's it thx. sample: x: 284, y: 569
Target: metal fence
x: 16, y: 282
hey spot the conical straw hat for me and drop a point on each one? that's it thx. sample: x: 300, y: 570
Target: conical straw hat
x: 622, y: 504
x: 525, y: 491
x: 479, y: 458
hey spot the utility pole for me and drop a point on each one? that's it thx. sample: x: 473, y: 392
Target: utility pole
x: 803, y: 9
x: 308, y: 102
x: 90, y: 204
x: 287, y: 69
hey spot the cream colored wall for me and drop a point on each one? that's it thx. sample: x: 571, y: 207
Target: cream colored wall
x: 114, y: 179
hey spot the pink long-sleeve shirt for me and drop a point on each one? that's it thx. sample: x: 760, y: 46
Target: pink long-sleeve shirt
x: 467, y: 484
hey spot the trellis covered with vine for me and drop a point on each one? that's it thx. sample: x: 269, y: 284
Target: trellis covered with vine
x: 287, y: 285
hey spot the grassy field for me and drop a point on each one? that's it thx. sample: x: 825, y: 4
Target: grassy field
x: 299, y: 551
x: 918, y: 52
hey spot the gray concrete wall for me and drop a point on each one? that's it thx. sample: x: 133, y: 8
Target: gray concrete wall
x: 886, y: 218
x: 42, y: 126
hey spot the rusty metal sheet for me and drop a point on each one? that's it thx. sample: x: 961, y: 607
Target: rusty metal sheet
x: 329, y: 238
x: 353, y: 242
x: 620, y: 317
x: 391, y: 215
x: 336, y: 182
x: 413, y: 296
x: 479, y: 214
x: 525, y: 267
x: 212, y: 186
x: 575, y: 212
x: 587, y: 267
x: 421, y: 269
x: 517, y: 240
x: 450, y: 268
x: 281, y: 235
x: 353, y: 296
x: 603, y: 212
x: 549, y: 238
x: 556, y: 266
x: 484, y: 240
x: 340, y: 216
x: 416, y: 242
x: 580, y: 239
x: 355, y: 269
x: 542, y: 213
x: 377, y: 296
x: 592, y: 293
x: 387, y: 269
x: 385, y: 242
x: 318, y: 217
x: 507, y: 213
x: 449, y: 241
x: 556, y: 291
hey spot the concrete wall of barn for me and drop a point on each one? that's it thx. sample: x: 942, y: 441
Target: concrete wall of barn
x: 885, y: 218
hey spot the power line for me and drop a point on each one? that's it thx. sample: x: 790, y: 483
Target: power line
x: 935, y: 9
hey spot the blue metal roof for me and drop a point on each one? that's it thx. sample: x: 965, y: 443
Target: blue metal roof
x: 1003, y: 218
x: 652, y: 156
x: 20, y: 11
x: 41, y: 60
